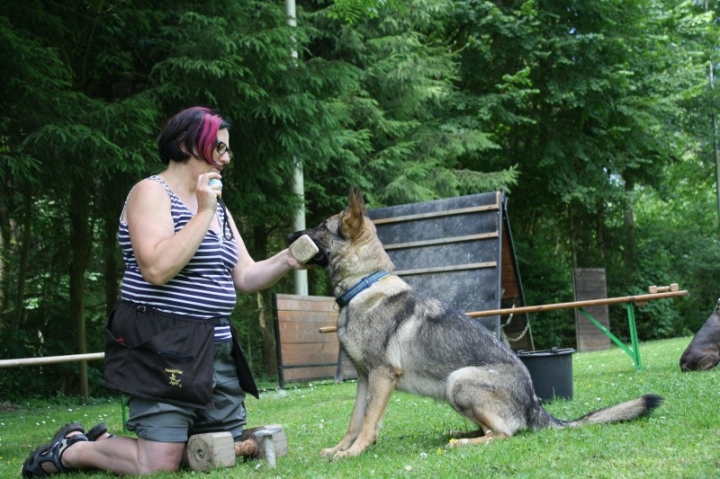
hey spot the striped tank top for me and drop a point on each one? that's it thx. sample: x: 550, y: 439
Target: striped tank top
x: 203, y: 289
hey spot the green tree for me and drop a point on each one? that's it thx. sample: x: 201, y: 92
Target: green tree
x: 594, y: 115
x: 589, y: 100
x: 72, y: 122
x: 405, y: 102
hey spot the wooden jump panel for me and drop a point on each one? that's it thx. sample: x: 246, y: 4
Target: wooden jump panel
x: 435, y: 214
x: 305, y: 354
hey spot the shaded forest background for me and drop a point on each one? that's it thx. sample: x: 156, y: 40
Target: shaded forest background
x: 595, y: 116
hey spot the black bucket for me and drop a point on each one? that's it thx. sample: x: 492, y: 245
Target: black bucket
x: 551, y: 372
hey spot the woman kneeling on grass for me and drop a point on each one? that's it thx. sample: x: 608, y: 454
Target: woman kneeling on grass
x: 170, y: 345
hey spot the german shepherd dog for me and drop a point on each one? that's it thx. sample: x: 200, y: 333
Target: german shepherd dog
x: 399, y: 339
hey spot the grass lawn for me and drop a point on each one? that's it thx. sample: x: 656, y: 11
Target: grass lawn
x: 681, y: 439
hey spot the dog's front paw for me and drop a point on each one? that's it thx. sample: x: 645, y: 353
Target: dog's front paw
x: 352, y: 452
x: 329, y: 452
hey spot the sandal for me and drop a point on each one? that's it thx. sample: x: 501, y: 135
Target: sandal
x: 96, y: 432
x: 52, y: 452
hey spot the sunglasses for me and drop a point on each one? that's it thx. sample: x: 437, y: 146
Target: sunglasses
x: 222, y: 148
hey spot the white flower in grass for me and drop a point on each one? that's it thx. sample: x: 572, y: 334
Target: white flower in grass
x: 408, y: 468
x: 423, y: 455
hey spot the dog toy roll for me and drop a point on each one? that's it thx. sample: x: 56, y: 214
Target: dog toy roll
x: 303, y: 249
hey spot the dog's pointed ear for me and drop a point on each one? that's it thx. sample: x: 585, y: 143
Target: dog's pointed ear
x: 354, y: 214
x: 356, y: 199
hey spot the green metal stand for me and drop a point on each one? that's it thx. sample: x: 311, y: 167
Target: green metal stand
x: 634, y: 350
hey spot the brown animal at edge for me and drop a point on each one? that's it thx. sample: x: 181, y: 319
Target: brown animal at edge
x: 703, y: 352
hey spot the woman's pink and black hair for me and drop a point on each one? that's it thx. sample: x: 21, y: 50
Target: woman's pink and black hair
x: 192, y: 131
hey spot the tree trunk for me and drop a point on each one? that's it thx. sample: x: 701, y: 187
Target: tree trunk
x: 4, y: 265
x: 600, y: 228
x: 112, y: 289
x: 630, y: 247
x: 267, y: 326
x: 25, y: 242
x: 112, y: 197
x: 80, y: 247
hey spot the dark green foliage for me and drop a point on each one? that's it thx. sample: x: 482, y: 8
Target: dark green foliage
x: 540, y: 265
x: 594, y: 116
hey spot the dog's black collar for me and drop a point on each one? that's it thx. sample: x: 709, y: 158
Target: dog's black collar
x: 361, y: 285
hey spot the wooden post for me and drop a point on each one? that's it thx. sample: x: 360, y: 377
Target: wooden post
x: 211, y: 451
x: 206, y: 452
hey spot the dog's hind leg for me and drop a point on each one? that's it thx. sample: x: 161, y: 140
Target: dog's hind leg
x: 381, y: 383
x: 488, y: 434
x: 489, y: 399
x: 458, y: 433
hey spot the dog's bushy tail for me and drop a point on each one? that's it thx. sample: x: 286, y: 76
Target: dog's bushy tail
x: 625, y: 411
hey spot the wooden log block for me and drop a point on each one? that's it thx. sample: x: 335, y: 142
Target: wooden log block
x: 279, y: 439
x: 210, y: 451
x: 206, y: 452
x: 247, y: 449
x: 663, y: 289
x: 303, y: 249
